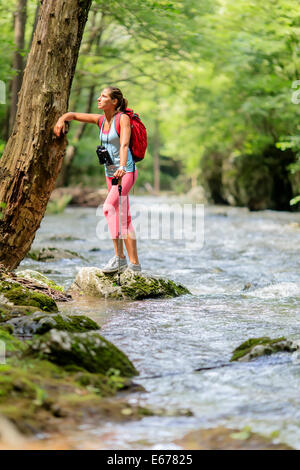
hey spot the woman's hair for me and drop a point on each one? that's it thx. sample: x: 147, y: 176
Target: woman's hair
x: 115, y: 93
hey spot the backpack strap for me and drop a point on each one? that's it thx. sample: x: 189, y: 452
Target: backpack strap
x: 100, y: 121
x: 118, y: 123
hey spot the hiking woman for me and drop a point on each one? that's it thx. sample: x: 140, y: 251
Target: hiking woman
x: 111, y: 101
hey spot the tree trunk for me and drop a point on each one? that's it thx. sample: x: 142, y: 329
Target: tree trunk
x: 18, y: 63
x: 33, y: 155
x: 156, y: 162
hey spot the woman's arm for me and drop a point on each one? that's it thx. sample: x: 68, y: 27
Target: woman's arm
x: 125, y: 132
x: 83, y: 117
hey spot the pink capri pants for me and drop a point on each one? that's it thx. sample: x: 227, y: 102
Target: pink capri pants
x: 111, y: 206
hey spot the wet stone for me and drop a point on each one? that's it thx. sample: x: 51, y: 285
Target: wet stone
x: 88, y: 351
x: 40, y: 323
x: 264, y: 346
x: 135, y: 286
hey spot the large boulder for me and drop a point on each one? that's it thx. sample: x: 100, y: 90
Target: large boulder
x: 40, y: 323
x: 136, y: 286
x: 89, y: 351
x: 264, y: 346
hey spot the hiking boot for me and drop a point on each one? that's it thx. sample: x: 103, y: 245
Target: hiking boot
x: 113, y: 263
x: 134, y: 267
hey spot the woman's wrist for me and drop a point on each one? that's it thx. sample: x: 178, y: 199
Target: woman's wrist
x: 68, y: 116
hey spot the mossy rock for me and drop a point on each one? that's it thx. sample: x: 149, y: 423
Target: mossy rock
x: 221, y: 438
x: 39, y: 278
x: 9, y: 311
x: 17, y: 294
x: 52, y: 254
x: 12, y: 344
x: 136, y: 286
x: 255, y: 347
x: 33, y: 390
x: 40, y: 323
x: 89, y: 351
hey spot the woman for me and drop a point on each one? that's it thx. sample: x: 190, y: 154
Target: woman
x: 111, y: 101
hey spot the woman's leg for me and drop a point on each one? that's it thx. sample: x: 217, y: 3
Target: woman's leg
x: 111, y: 212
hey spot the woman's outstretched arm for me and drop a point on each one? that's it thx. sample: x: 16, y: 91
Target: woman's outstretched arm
x: 83, y: 117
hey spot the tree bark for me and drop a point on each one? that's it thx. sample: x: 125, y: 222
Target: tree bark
x: 33, y: 155
x: 18, y: 63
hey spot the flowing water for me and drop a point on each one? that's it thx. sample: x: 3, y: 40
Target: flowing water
x: 244, y: 282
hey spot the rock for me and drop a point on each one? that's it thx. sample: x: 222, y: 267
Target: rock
x: 80, y: 196
x: 34, y: 390
x: 52, y: 254
x: 255, y: 347
x: 196, y: 194
x: 40, y: 323
x: 16, y: 294
x: 9, y: 435
x: 12, y: 345
x: 221, y: 438
x: 64, y: 238
x: 35, y: 282
x: 89, y: 351
x: 39, y: 278
x: 136, y: 286
x: 9, y: 311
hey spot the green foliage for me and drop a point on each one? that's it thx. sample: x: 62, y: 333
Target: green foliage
x: 207, y: 77
x: 2, y: 206
x: 57, y: 206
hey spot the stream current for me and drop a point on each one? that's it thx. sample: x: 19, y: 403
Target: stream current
x: 244, y: 282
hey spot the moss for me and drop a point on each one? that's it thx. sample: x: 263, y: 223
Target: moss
x: 8, y: 328
x: 88, y: 350
x: 38, y: 395
x: 74, y: 323
x: 12, y: 344
x: 20, y: 295
x: 41, y: 278
x: 8, y: 312
x: 32, y: 390
x: 246, y: 347
x: 143, y: 288
x: 103, y: 385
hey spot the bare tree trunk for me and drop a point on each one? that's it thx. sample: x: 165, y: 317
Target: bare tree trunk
x: 33, y: 155
x: 156, y: 166
x: 18, y: 64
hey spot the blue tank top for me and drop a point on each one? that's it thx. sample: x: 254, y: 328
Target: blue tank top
x: 111, y: 142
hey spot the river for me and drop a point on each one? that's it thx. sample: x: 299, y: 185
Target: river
x: 245, y: 282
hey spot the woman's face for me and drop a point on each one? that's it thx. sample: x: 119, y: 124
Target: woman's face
x: 105, y: 102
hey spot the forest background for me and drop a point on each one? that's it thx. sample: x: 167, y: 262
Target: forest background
x: 215, y: 82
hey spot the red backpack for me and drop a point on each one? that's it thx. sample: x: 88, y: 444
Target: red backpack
x: 138, y: 139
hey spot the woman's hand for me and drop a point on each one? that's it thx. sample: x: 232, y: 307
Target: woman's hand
x: 59, y: 127
x: 119, y: 173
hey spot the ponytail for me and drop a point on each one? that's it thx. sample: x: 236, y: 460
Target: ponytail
x: 116, y: 94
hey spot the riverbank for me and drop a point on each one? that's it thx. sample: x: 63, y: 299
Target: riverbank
x: 244, y: 282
